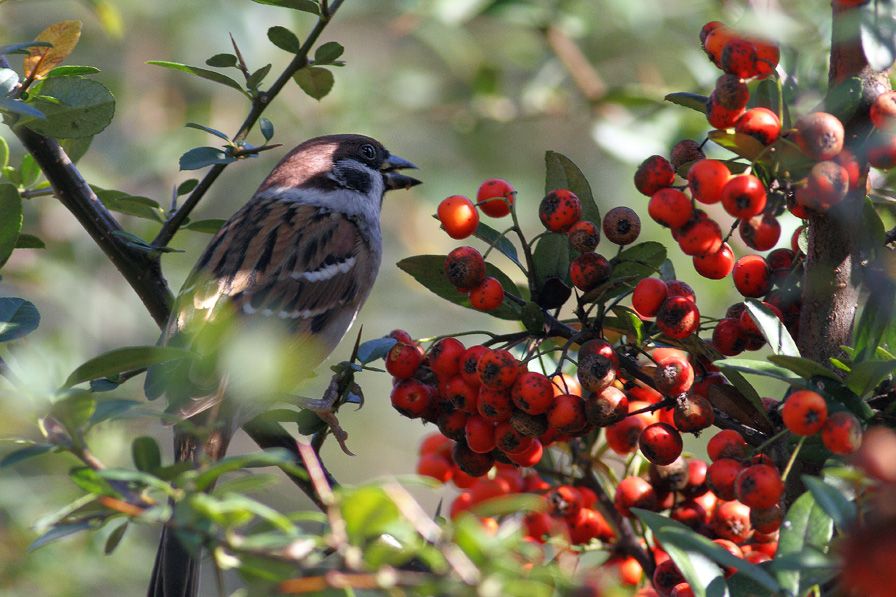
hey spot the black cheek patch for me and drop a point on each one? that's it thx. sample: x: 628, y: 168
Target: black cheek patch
x: 357, y: 180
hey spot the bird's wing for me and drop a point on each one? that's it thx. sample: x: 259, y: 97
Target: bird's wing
x: 301, y: 267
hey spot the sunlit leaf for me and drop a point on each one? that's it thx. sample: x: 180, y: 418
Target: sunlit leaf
x: 562, y: 173
x: 772, y: 328
x: 18, y: 318
x: 317, y: 82
x: 201, y: 72
x: 120, y: 360
x: 81, y: 108
x: 830, y: 499
x: 40, y: 60
x: 284, y: 39
x: 688, y: 100
x: 806, y: 525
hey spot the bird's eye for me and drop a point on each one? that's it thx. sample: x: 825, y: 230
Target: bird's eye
x: 368, y: 151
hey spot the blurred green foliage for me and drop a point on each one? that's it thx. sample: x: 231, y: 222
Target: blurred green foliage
x: 468, y: 89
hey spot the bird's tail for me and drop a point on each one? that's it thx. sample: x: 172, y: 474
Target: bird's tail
x: 175, y: 572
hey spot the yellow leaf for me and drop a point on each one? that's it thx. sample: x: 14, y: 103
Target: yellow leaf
x: 64, y: 36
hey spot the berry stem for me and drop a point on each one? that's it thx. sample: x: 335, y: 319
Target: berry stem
x: 761, y: 447
x: 793, y: 456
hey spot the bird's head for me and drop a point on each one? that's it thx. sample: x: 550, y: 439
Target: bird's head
x: 332, y: 162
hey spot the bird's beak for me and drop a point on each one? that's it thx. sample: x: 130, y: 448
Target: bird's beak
x: 394, y: 180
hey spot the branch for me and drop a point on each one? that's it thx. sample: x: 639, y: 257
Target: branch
x: 141, y: 270
x: 259, y: 104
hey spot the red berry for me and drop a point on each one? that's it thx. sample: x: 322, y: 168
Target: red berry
x: 714, y: 42
x: 826, y: 186
x: 444, y: 357
x: 752, y: 276
x: 666, y: 577
x: 731, y: 92
x: 606, y: 407
x: 469, y: 364
x: 648, y: 296
x: 820, y: 135
x: 622, y: 437
x: 715, y: 266
x: 719, y: 116
x: 589, y: 270
x: 685, y: 152
x: 842, y: 433
x: 883, y: 110
x: 768, y: 55
x: 759, y: 486
x: 532, y: 393
x: 760, y: 123
x: 804, y: 412
x: 411, y: 398
x: 465, y: 268
x: 731, y: 520
x: 660, y: 443
x: 739, y: 58
x: 497, y: 369
x: 494, y: 197
x: 470, y: 462
x: 480, y: 435
x: 494, y: 404
x: 511, y: 441
x: 634, y: 492
x: 722, y: 476
x: 693, y: 414
x: 882, y: 151
x: 436, y: 443
x: 728, y: 337
x: 529, y: 457
x: 565, y: 501
x: 706, y: 179
x: 622, y: 225
x: 559, y: 210
x: 727, y: 443
x: 488, y: 296
x: 403, y: 360
x: 760, y: 233
x: 743, y: 196
x: 674, y: 374
x: 567, y: 414
x: 700, y: 237
x: 461, y: 395
x: 458, y: 216
x: 436, y: 466
x: 584, y: 236
x: 653, y: 174
x: 678, y: 317
x: 670, y: 208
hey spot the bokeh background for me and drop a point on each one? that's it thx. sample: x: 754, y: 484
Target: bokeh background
x: 467, y: 89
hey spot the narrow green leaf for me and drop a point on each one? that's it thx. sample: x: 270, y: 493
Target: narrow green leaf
x: 115, y: 538
x: 25, y: 453
x: 4, y: 153
x: 124, y: 359
x: 82, y: 108
x: 315, y: 81
x: 186, y: 186
x: 866, y: 376
x: 210, y: 226
x: 201, y: 157
x: 520, y: 502
x: 328, y: 52
x: 209, y: 130
x: 772, y: 329
x: 688, y: 100
x: 14, y: 106
x: 836, y: 505
x: 58, y: 532
x: 273, y: 457
x: 258, y: 76
x: 697, y: 569
x: 222, y: 60
x: 29, y: 241
x: 742, y: 144
x: 209, y: 75
x: 301, y: 5
x: 876, y: 317
x: 429, y: 271
x: 805, y: 526
x: 501, y: 243
x: 378, y: 348
x: 70, y: 70
x: 18, y: 318
x: 806, y: 368
x: 562, y: 173
x: 11, y: 219
x: 284, y: 39
x: 267, y: 128
x: 141, y: 207
x: 146, y: 454
x: 758, y: 367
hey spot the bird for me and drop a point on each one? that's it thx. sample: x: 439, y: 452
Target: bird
x: 301, y: 257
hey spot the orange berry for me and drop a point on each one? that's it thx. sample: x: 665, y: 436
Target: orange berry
x: 458, y: 216
x: 488, y: 296
x: 495, y: 196
x: 842, y: 433
x: 804, y: 412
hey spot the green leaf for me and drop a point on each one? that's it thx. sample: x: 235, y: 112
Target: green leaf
x: 501, y: 243
x: 877, y: 316
x: 511, y: 504
x: 272, y: 457
x: 532, y: 316
x: 696, y: 568
x: 29, y: 241
x: 209, y: 130
x: 11, y: 219
x: 267, y: 128
x: 302, y: 5
x: 551, y: 258
x: 201, y: 157
x: 74, y: 411
x: 29, y: 170
x: 146, y: 454
x: 758, y: 367
x: 210, y: 226
x: 429, y: 271
x: 377, y: 348
x: 58, y: 532
x: 14, y: 106
x: 141, y: 207
x: 76, y: 148
x: 257, y: 77
x: 25, y: 453
x: 866, y: 376
x: 688, y: 100
x: 368, y: 512
x: 805, y: 526
x: 562, y: 173
x: 843, y: 99
x: 740, y: 143
x: 84, y: 109
x: 209, y: 75
x: 772, y: 329
x: 4, y: 153
x: 186, y: 186
x: 805, y: 368
x: 830, y: 499
x: 111, y: 408
x: 124, y: 359
x: 222, y: 60
x: 18, y: 318
x: 315, y: 81
x: 641, y: 260
x: 328, y: 53
x: 70, y: 70
x: 115, y: 538
x: 284, y: 39
x: 767, y: 94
